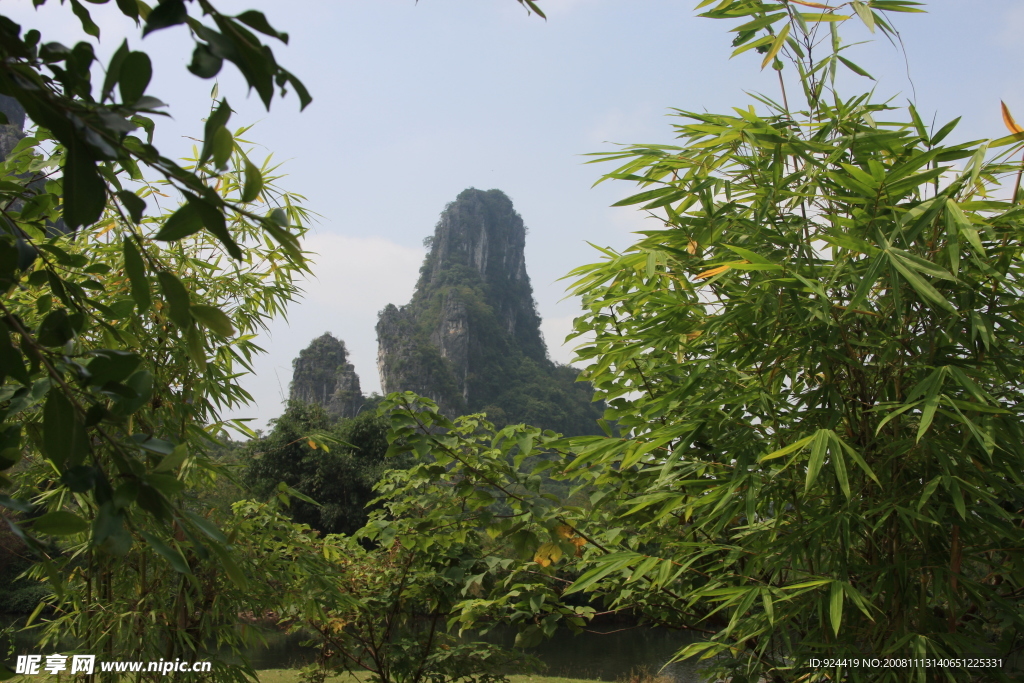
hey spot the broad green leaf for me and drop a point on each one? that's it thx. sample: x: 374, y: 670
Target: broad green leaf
x: 114, y: 69
x: 213, y: 318
x: 223, y: 145
x: 231, y: 567
x: 796, y: 445
x: 218, y: 120
x: 182, y: 223
x: 173, y: 460
x: 196, y: 347
x: 135, y: 267
x: 920, y: 285
x: 134, y: 204
x: 839, y: 463
x: 135, y: 73
x: 59, y: 523
x: 857, y: 458
x: 166, y: 13
x: 177, y: 299
x: 111, y: 365
x: 258, y: 21
x: 855, y: 69
x: 213, y: 218
x: 88, y: 25
x: 253, y: 182
x: 173, y: 556
x: 85, y: 193
x: 64, y: 435
x: 56, y: 328
x: 865, y: 14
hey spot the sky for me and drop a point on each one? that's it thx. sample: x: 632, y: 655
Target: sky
x: 415, y: 101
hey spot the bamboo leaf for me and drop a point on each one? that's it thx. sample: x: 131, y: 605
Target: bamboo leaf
x: 819, y: 448
x: 865, y: 14
x: 854, y: 68
x: 777, y: 44
x: 796, y: 445
x: 835, y: 610
x: 840, y: 466
x: 1008, y: 121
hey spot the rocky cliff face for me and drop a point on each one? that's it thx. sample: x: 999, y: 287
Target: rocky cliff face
x: 470, y: 338
x: 322, y: 374
x: 11, y: 133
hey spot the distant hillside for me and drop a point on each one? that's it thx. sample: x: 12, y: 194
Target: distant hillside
x: 470, y: 337
x: 322, y: 374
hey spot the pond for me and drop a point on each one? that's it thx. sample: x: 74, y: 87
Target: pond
x: 608, y: 654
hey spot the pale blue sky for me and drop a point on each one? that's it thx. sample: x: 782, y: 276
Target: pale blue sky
x: 415, y: 102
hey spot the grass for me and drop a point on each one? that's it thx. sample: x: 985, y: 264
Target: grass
x: 292, y: 676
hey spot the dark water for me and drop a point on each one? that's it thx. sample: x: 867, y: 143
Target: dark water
x: 612, y: 653
x: 609, y: 655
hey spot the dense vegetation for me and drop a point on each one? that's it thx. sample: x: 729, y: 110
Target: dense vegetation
x: 815, y: 367
x: 340, y: 479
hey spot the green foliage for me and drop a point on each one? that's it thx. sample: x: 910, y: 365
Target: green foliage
x: 816, y: 368
x: 339, y: 476
x: 482, y: 489
x: 136, y: 350
x: 53, y: 83
x: 118, y: 354
x: 817, y: 362
x: 19, y: 594
x: 400, y: 597
x: 398, y: 630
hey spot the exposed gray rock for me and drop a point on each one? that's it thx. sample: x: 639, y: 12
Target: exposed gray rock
x: 13, y: 130
x: 470, y: 338
x: 322, y: 374
x: 11, y: 134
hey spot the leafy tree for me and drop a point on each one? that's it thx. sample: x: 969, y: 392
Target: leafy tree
x: 101, y: 157
x: 446, y: 544
x: 817, y: 362
x: 816, y: 368
x: 118, y: 354
x: 337, y: 470
x: 117, y: 487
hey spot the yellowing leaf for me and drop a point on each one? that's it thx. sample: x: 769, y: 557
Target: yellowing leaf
x: 547, y: 553
x: 691, y: 247
x: 777, y: 44
x: 1008, y: 120
x: 312, y: 444
x: 712, y: 272
x: 564, y: 531
x: 109, y: 225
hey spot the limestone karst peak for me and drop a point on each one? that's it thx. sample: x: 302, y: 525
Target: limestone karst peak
x: 470, y: 337
x: 322, y: 374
